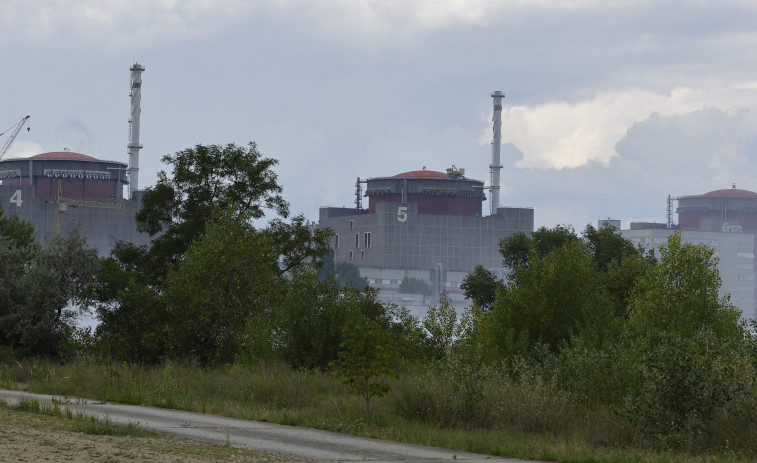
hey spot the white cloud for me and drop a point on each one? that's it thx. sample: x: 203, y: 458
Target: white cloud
x: 565, y: 135
x: 23, y: 149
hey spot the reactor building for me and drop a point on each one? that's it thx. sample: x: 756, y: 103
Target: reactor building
x: 724, y: 220
x: 425, y: 224
x: 59, y: 192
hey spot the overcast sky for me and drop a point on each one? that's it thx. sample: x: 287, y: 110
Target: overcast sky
x: 611, y: 105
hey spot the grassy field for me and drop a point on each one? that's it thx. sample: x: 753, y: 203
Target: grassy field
x: 529, y: 421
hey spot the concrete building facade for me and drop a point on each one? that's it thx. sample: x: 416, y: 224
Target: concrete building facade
x: 426, y: 225
x: 63, y: 191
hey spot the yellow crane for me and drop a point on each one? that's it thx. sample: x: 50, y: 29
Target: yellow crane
x: 16, y: 129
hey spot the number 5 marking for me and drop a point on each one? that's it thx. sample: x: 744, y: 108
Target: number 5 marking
x: 402, y: 214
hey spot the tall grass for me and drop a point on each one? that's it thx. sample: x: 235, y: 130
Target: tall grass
x: 433, y: 405
x: 86, y: 423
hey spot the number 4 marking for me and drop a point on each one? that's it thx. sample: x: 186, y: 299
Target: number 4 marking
x: 16, y: 198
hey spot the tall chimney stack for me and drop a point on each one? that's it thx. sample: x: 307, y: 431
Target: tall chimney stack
x: 136, y: 96
x: 495, y: 167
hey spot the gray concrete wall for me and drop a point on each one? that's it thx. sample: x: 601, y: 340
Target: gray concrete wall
x: 102, y: 222
x: 397, y: 237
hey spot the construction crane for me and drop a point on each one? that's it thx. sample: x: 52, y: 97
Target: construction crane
x: 16, y: 129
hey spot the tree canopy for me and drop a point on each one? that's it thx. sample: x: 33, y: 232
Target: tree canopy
x: 209, y: 271
x: 204, y: 178
x: 480, y: 286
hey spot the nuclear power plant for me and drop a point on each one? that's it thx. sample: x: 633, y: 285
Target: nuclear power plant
x: 428, y: 225
x: 61, y: 191
x: 723, y: 220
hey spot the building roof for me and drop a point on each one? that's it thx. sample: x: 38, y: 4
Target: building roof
x: 423, y: 174
x: 726, y: 193
x: 64, y: 155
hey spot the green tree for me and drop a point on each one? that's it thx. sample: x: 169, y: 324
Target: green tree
x: 201, y: 219
x: 309, y: 316
x: 38, y: 286
x: 680, y: 295
x: 18, y: 232
x: 480, y: 286
x: 696, y: 354
x: 410, y: 285
x: 128, y: 301
x: 365, y: 360
x: 518, y: 249
x: 204, y: 178
x: 557, y: 296
x: 225, y: 276
x: 607, y: 245
x: 620, y: 262
x: 348, y: 273
x: 442, y: 327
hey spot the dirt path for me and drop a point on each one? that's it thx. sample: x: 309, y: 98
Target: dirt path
x: 30, y: 437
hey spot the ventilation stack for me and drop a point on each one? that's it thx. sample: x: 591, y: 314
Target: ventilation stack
x: 136, y: 96
x: 495, y: 167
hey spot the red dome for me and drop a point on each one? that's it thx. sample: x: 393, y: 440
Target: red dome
x: 731, y: 193
x: 64, y: 155
x: 423, y: 174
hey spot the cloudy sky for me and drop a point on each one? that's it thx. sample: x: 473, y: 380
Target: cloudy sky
x: 611, y: 105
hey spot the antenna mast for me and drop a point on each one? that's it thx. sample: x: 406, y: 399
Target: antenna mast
x: 136, y: 96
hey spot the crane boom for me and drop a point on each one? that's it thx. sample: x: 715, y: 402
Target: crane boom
x: 16, y: 129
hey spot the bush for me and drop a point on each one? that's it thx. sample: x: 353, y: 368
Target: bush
x: 410, y: 285
x: 683, y: 382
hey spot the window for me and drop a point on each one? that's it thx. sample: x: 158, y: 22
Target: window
x: 350, y: 255
x: 748, y: 255
x: 362, y: 255
x: 357, y: 240
x: 367, y: 240
x: 352, y: 224
x: 336, y: 241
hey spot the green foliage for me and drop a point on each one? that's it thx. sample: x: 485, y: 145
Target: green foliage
x: 684, y: 380
x: 127, y: 297
x: 515, y: 250
x: 347, y: 273
x: 607, y: 245
x: 195, y: 291
x: 518, y: 249
x: 308, y: 318
x: 204, y: 178
x: 442, y: 327
x: 19, y: 233
x: 225, y: 276
x: 410, y: 285
x: 38, y: 284
x: 619, y: 261
x: 697, y: 355
x: 557, y: 296
x: 365, y: 360
x: 679, y: 295
x: 480, y: 286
